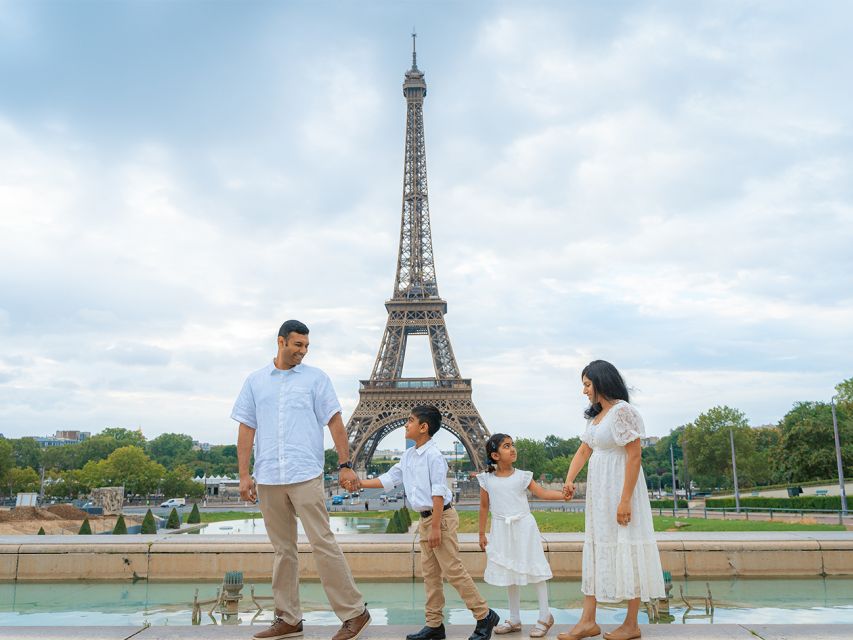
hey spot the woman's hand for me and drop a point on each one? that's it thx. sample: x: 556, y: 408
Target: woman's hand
x: 568, y: 490
x: 623, y: 512
x: 483, y: 542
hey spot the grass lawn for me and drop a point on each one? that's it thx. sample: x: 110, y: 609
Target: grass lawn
x: 558, y: 522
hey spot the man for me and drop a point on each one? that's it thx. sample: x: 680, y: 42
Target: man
x: 282, y: 409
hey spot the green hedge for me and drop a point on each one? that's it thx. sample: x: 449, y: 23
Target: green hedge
x: 148, y: 524
x: 85, y: 528
x: 195, y: 516
x: 801, y: 502
x: 120, y: 528
x: 667, y: 504
x: 174, y: 521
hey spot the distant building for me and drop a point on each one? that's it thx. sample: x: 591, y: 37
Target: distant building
x: 62, y: 438
x: 649, y: 441
x: 201, y: 446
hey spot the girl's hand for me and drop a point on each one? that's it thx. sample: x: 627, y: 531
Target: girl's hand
x: 483, y: 542
x: 568, y: 490
x: 623, y: 512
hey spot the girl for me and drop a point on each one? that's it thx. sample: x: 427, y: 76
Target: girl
x: 514, y: 548
x: 620, y: 555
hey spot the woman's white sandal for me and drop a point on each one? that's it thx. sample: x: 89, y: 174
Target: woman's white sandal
x: 541, y: 629
x: 507, y: 627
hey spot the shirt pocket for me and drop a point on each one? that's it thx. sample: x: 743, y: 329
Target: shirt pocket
x: 298, y: 399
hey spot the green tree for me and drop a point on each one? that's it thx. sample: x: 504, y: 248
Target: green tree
x: 120, y: 528
x: 808, y: 441
x: 844, y: 390
x: 7, y: 460
x: 556, y: 447
x: 131, y: 468
x: 149, y: 525
x: 63, y: 458
x: 558, y: 467
x: 27, y: 453
x: 26, y: 480
x: 531, y: 456
x: 124, y: 437
x: 178, y: 482
x: 195, y: 516
x: 41, y: 531
x: 170, y: 448
x: 331, y: 461
x: 174, y: 521
x: 710, y: 447
x: 85, y: 528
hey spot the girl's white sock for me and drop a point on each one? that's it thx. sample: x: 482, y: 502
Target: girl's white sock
x: 514, y: 595
x: 542, y: 593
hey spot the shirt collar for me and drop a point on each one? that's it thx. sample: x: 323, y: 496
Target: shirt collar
x: 424, y: 447
x: 271, y: 369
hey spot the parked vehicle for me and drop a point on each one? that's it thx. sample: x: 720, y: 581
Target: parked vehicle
x: 337, y: 500
x: 174, y: 502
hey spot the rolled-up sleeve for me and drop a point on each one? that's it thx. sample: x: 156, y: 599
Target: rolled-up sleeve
x: 392, y: 477
x: 326, y: 403
x: 438, y: 475
x: 244, y: 407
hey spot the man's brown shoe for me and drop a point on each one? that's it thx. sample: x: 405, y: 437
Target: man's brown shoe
x: 352, y: 628
x: 279, y: 629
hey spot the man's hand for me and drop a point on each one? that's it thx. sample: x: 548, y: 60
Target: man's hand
x: 248, y: 489
x: 348, y: 479
x: 483, y: 542
x: 568, y: 490
x: 434, y: 537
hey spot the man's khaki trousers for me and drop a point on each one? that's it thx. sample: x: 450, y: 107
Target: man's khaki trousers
x: 443, y: 561
x: 280, y: 505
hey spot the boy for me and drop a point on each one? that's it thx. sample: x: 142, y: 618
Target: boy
x: 423, y: 472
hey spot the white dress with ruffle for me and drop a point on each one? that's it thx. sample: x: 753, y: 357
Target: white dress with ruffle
x: 619, y: 562
x: 514, y: 554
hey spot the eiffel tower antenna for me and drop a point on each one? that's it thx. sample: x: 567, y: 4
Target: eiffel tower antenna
x: 415, y: 308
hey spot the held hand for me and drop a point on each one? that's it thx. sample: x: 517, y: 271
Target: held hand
x: 623, y: 512
x: 568, y: 491
x: 248, y: 489
x: 483, y: 542
x: 347, y: 478
x: 434, y: 538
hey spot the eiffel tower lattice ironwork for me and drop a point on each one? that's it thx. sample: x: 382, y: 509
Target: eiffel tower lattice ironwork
x: 415, y: 308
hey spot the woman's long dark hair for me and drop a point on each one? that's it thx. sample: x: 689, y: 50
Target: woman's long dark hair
x: 607, y: 383
x: 492, y: 446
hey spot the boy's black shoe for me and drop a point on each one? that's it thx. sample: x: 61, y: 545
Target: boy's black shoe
x: 428, y: 633
x: 483, y: 630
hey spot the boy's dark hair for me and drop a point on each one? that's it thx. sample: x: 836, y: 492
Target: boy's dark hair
x: 290, y: 326
x: 492, y: 446
x: 607, y: 382
x: 429, y: 414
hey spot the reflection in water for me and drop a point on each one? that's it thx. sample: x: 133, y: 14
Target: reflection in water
x: 256, y: 526
x: 742, y: 601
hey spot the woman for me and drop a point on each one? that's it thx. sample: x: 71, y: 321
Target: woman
x: 620, y: 555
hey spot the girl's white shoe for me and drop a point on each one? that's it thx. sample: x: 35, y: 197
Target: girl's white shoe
x: 507, y: 627
x: 542, y: 628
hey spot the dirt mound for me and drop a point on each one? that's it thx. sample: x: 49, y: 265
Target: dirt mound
x: 27, y: 513
x: 67, y: 512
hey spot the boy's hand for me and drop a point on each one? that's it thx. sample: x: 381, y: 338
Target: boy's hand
x: 434, y: 538
x: 483, y: 542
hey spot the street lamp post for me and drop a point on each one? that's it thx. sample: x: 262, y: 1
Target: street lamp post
x: 734, y: 469
x: 841, y: 485
x: 674, y: 492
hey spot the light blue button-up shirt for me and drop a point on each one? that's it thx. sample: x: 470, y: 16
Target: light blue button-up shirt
x: 288, y: 409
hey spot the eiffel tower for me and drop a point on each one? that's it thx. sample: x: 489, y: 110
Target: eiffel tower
x: 415, y: 308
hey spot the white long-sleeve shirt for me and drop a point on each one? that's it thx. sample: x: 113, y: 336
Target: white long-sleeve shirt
x: 423, y: 473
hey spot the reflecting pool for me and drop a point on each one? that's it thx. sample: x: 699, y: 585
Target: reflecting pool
x: 743, y: 601
x: 256, y: 526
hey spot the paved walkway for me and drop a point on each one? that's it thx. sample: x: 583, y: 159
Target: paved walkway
x: 650, y: 632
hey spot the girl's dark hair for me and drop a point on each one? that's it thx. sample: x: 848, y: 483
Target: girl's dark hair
x: 492, y: 446
x: 607, y: 383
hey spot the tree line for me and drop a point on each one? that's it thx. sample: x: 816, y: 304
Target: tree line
x: 114, y: 457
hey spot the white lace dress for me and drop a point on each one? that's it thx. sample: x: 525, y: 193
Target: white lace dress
x: 514, y: 554
x: 619, y: 562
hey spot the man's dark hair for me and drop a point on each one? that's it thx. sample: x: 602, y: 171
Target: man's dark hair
x: 290, y: 326
x: 606, y: 382
x: 429, y: 414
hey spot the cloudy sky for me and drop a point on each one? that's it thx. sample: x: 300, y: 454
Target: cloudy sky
x: 663, y: 185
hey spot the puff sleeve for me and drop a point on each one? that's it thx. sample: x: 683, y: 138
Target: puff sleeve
x: 627, y: 425
x: 526, y: 477
x: 483, y: 479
